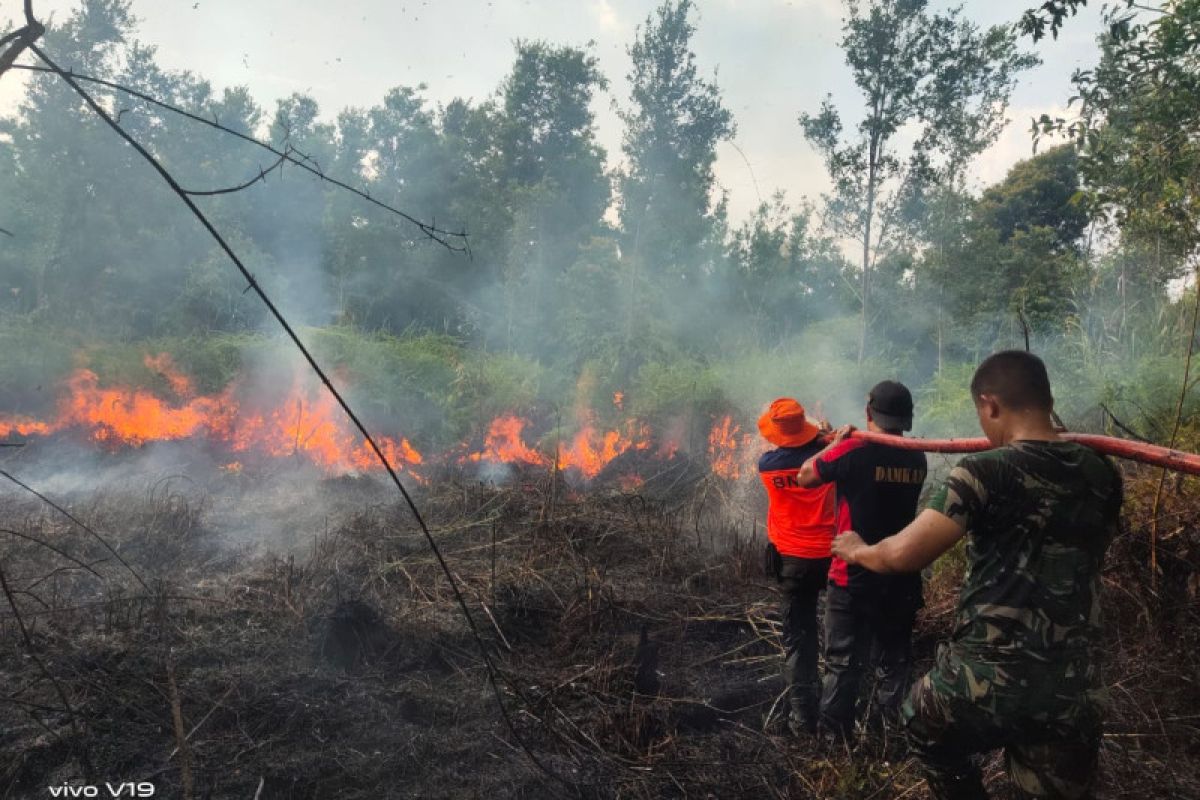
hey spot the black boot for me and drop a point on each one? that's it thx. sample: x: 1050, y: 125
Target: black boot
x: 803, y: 717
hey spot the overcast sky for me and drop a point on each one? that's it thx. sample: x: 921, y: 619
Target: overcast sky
x: 774, y: 58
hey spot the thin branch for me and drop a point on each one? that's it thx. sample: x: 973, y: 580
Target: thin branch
x: 261, y: 176
x: 11, y: 37
x: 62, y: 695
x: 77, y: 521
x: 21, y: 39
x: 455, y: 241
x: 1025, y: 329
x: 53, y: 549
x: 1132, y: 433
x: 324, y: 378
x: 7, y: 232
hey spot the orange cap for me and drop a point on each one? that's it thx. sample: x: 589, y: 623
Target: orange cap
x: 785, y: 425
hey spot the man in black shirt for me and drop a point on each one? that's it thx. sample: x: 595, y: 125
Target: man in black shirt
x: 869, y: 614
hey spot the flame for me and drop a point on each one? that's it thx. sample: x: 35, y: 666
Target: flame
x: 503, y: 444
x: 619, y: 400
x: 133, y: 417
x: 165, y: 366
x: 591, y: 451
x: 726, y: 448
x: 304, y: 422
x: 307, y: 425
x: 23, y: 426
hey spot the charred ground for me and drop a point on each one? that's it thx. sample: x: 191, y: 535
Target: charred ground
x: 636, y: 636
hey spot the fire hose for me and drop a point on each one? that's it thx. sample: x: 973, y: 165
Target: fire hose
x: 1108, y: 445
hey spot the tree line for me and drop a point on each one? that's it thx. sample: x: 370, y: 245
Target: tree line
x: 575, y: 264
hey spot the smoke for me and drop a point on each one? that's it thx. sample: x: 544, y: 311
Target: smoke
x: 582, y: 285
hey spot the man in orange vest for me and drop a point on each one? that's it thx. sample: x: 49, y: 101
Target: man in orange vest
x: 800, y: 526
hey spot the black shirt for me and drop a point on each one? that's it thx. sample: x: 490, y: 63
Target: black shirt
x: 877, y: 492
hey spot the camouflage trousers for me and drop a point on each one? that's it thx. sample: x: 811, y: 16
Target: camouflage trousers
x: 1046, y: 716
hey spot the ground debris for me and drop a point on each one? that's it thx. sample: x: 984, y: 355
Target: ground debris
x: 636, y: 638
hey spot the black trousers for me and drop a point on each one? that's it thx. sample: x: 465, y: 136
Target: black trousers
x: 859, y: 632
x: 801, y: 581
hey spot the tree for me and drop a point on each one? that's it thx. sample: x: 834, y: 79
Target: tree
x: 783, y: 274
x: 1138, y: 127
x: 1049, y: 14
x: 551, y: 175
x: 938, y: 72
x: 672, y: 129
x: 1039, y: 192
x: 1018, y: 253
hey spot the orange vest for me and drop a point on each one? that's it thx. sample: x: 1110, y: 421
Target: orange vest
x: 800, y: 522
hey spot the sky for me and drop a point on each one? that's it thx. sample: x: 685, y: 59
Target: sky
x: 771, y: 58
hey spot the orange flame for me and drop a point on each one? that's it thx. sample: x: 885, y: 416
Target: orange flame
x: 165, y: 366
x: 590, y: 452
x: 726, y: 448
x: 504, y: 445
x: 308, y: 425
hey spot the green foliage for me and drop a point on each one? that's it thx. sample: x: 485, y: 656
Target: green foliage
x: 1039, y: 192
x: 689, y: 313
x: 35, y: 358
x: 935, y: 71
x: 487, y: 385
x: 680, y: 388
x: 944, y: 406
x: 672, y: 129
x: 1138, y: 125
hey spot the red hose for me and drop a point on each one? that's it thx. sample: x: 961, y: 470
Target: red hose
x: 1108, y: 445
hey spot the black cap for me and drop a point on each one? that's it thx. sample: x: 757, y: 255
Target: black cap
x: 891, y: 406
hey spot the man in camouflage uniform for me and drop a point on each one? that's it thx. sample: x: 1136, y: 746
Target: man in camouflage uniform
x: 1021, y: 669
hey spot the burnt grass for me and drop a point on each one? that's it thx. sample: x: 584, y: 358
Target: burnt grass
x: 635, y: 640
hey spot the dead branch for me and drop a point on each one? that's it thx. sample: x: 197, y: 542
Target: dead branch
x: 42, y: 543
x: 185, y: 758
x: 261, y: 176
x: 75, y: 519
x: 84, y: 756
x: 20, y: 40
x: 455, y: 241
x: 319, y: 371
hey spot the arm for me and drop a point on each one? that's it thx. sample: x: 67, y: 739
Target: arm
x: 911, y: 550
x: 809, y: 477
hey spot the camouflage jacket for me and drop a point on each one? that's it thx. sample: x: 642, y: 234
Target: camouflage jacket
x: 1039, y: 517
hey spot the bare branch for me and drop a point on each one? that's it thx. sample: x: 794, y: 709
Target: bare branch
x: 21, y: 39
x: 455, y: 241
x: 29, y: 538
x: 62, y: 695
x: 75, y: 519
x: 456, y: 589
x: 261, y: 176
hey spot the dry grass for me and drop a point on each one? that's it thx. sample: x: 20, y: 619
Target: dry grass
x: 636, y: 638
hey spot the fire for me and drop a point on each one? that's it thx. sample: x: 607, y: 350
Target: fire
x: 305, y: 423
x: 165, y: 366
x: 503, y: 444
x: 591, y: 451
x: 728, y: 448
x: 631, y: 482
